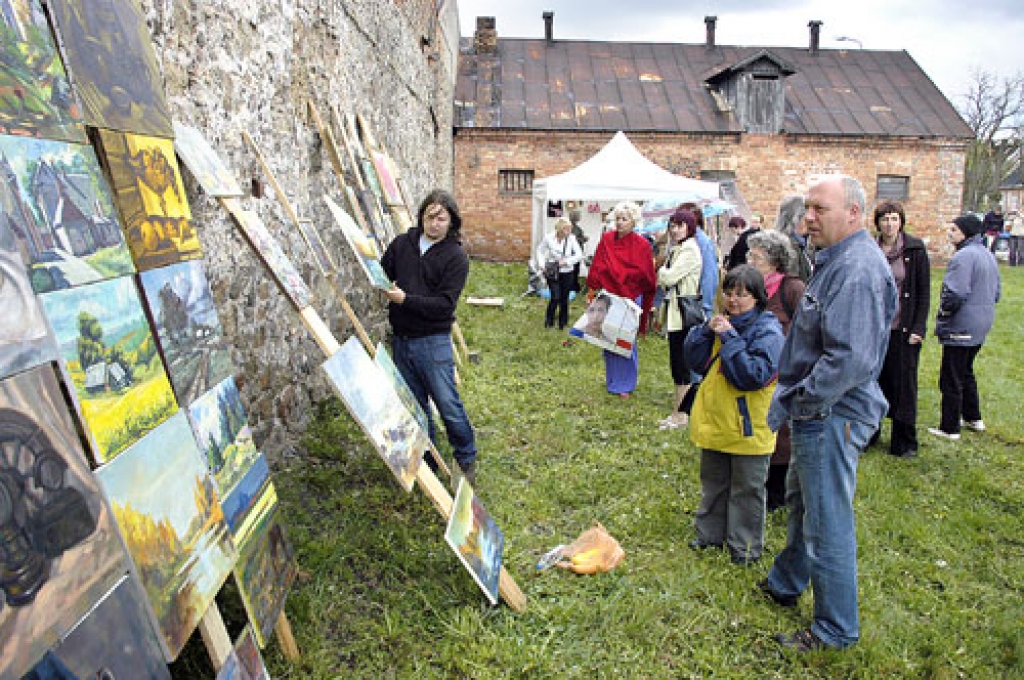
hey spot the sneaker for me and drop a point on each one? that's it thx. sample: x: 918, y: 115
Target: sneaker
x: 781, y: 600
x: 701, y: 544
x: 742, y: 560
x: 801, y: 641
x: 976, y: 425
x: 952, y: 436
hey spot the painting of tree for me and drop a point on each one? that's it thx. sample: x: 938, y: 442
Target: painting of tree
x: 222, y: 430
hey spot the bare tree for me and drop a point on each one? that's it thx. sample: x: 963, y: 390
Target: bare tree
x: 994, y: 109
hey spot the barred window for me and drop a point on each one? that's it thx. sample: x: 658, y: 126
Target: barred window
x: 515, y: 182
x: 892, y: 188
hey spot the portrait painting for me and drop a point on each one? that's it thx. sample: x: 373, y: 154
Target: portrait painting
x: 265, y: 573
x: 250, y: 504
x: 609, y: 322
x: 165, y: 502
x: 363, y: 247
x: 59, y: 207
x: 25, y: 339
x: 36, y: 98
x: 390, y: 369
x: 322, y: 256
x: 477, y: 539
x: 375, y: 405
x: 151, y: 198
x: 111, y: 356
x: 274, y: 258
x: 223, y: 435
x: 188, y: 330
x: 59, y: 548
x: 203, y: 162
x: 111, y: 59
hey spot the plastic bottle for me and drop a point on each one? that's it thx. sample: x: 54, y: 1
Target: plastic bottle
x: 550, y: 558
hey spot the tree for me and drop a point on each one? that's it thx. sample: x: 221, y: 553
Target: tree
x: 90, y: 340
x: 994, y: 109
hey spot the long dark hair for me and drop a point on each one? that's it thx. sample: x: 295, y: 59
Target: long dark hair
x: 747, y: 277
x: 445, y: 200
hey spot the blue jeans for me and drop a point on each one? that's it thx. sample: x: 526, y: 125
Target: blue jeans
x: 428, y: 366
x: 821, y: 541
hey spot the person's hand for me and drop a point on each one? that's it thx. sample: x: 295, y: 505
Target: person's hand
x: 720, y: 324
x: 915, y: 339
x: 396, y: 295
x: 591, y: 294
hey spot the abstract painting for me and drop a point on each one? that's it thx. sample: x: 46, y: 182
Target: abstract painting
x: 322, y: 256
x: 187, y: 328
x: 151, y: 197
x: 373, y: 402
x: 53, y: 196
x: 387, y: 365
x: 265, y: 572
x: 249, y: 506
x: 166, y: 505
x: 36, y: 98
x: 25, y: 340
x: 112, y: 358
x: 362, y: 246
x: 112, y: 62
x: 610, y: 322
x: 222, y: 432
x: 203, y: 162
x: 59, y: 548
x: 476, y: 538
x: 269, y: 250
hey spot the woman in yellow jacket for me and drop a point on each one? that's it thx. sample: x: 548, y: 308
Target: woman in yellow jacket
x: 738, y: 353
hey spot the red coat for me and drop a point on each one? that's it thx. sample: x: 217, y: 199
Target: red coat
x: 625, y: 267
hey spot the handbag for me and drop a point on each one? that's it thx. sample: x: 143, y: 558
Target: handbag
x: 691, y: 311
x: 551, y: 268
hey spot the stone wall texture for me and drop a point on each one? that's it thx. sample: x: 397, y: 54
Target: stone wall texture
x: 251, y: 66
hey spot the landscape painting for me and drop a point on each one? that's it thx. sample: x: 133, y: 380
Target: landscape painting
x: 249, y: 658
x: 362, y: 246
x: 36, y: 98
x: 151, y: 197
x: 59, y: 548
x: 387, y: 365
x: 477, y: 539
x: 265, y: 572
x: 203, y: 162
x: 222, y: 432
x: 269, y: 251
x: 111, y: 59
x: 25, y: 340
x: 387, y: 173
x: 165, y: 503
x: 187, y: 328
x: 250, y: 504
x: 322, y: 256
x: 372, y: 400
x: 58, y: 205
x: 111, y: 356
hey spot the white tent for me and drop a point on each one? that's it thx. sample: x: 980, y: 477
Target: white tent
x: 618, y: 172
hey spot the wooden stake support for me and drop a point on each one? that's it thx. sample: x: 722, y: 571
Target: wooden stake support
x: 283, y: 630
x: 215, y: 636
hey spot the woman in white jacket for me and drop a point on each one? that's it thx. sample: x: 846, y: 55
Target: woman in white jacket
x: 560, y: 247
x: 679, y: 276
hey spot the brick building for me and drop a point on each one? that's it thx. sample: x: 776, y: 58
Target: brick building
x: 761, y: 119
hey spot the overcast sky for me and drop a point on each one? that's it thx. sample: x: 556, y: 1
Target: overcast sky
x: 947, y: 38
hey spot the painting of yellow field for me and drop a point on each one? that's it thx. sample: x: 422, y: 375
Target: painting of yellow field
x: 249, y: 506
x: 109, y: 351
x: 150, y: 196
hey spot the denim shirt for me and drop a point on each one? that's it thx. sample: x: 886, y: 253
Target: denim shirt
x: 708, y: 272
x: 837, y: 341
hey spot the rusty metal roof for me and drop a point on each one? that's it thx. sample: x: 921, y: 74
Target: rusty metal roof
x: 588, y: 85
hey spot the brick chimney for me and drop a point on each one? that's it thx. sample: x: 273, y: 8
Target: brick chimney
x: 815, y: 27
x: 549, y: 28
x: 709, y: 24
x: 485, y: 40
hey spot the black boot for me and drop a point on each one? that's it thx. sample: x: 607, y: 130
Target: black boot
x: 468, y: 471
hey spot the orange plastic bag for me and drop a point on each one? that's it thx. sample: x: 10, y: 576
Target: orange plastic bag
x: 594, y: 551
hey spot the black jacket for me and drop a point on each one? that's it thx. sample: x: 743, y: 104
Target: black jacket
x: 915, y: 293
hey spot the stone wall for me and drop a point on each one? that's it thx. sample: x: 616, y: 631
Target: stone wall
x: 231, y: 66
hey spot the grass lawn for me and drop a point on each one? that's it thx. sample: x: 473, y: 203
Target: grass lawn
x: 940, y: 537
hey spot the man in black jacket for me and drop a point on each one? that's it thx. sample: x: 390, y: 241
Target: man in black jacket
x: 429, y: 270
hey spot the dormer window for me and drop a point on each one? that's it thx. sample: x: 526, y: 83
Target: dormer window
x: 755, y: 89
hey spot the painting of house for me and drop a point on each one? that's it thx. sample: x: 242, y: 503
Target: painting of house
x: 203, y: 162
x: 25, y: 341
x: 477, y: 539
x: 250, y: 504
x: 111, y: 356
x: 219, y: 423
x: 188, y: 330
x: 265, y: 573
x: 60, y: 549
x: 270, y: 252
x: 55, y: 200
x: 165, y: 503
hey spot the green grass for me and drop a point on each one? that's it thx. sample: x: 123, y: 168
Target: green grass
x: 941, y: 546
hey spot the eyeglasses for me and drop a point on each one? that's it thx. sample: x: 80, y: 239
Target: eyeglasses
x: 736, y: 294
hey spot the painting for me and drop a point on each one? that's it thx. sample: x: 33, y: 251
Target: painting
x: 59, y: 548
x: 222, y: 433
x: 249, y: 659
x: 25, y: 339
x: 53, y: 196
x: 112, y: 62
x: 610, y: 322
x: 477, y: 539
x: 265, y: 572
x: 187, y: 328
x: 362, y: 246
x: 269, y: 251
x: 379, y: 223
x: 390, y: 369
x: 36, y: 98
x: 373, y: 402
x: 322, y: 256
x: 112, y: 359
x: 151, y: 197
x: 250, y: 504
x: 203, y: 162
x: 387, y: 173
x: 166, y: 505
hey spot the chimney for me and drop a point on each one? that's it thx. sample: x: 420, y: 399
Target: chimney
x: 549, y: 29
x: 709, y: 24
x: 815, y: 27
x: 485, y: 40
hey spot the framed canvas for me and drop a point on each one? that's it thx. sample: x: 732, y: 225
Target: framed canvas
x: 387, y: 173
x: 375, y: 217
x: 203, y: 162
x: 265, y: 573
x: 269, y: 251
x: 151, y: 198
x: 222, y: 433
x: 59, y: 551
x: 25, y: 339
x: 188, y: 330
x: 62, y: 214
x: 390, y: 369
x: 249, y: 659
x: 402, y: 218
x: 322, y: 256
x: 477, y: 539
x: 112, y: 360
x: 165, y: 503
x: 610, y: 322
x: 250, y: 504
x: 36, y: 99
x: 113, y: 65
x: 362, y: 247
x: 370, y: 398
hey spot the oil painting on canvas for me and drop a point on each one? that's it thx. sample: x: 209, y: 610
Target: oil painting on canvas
x: 166, y: 505
x: 249, y: 658
x: 477, y: 539
x: 25, y: 340
x: 151, y: 197
x: 322, y: 256
x: 362, y: 246
x: 387, y: 365
x: 373, y: 402
x: 36, y: 98
x: 203, y: 162
x: 610, y: 322
x: 387, y: 174
x: 265, y: 572
x: 269, y: 250
x: 187, y: 328
x: 111, y: 356
x: 250, y: 504
x: 59, y: 548
x: 111, y: 59
x: 58, y: 204
x: 222, y: 432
